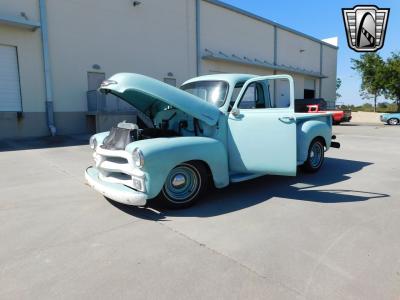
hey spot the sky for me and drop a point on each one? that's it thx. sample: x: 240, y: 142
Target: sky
x: 323, y: 19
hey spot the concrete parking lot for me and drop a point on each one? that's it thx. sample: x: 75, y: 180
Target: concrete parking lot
x: 331, y: 235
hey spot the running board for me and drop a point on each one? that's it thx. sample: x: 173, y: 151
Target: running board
x: 243, y: 177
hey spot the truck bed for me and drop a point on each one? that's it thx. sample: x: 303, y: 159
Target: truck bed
x: 309, y: 116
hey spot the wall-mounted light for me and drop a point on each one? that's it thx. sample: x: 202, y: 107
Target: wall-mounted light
x: 302, y: 50
x: 96, y: 67
x: 170, y: 74
x: 136, y: 3
x: 170, y: 81
x: 23, y: 14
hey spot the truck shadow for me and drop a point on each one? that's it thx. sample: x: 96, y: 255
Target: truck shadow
x: 43, y: 142
x: 304, y: 187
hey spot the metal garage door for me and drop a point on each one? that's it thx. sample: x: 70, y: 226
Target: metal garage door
x: 309, y: 84
x: 10, y: 94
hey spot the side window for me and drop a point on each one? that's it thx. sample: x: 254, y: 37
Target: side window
x: 235, y: 94
x: 282, y: 93
x: 249, y: 98
x: 253, y: 97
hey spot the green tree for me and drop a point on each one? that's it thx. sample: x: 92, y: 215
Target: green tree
x: 383, y: 105
x: 367, y: 107
x: 338, y: 85
x: 392, y: 79
x: 371, y: 68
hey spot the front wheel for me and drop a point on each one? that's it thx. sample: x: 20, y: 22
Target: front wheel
x: 393, y: 121
x: 316, y: 155
x: 184, y: 185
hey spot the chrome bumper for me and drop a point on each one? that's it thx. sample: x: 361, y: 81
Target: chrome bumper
x: 115, y: 191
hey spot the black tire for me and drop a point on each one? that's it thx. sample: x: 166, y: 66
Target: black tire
x: 184, y: 186
x: 393, y: 121
x: 315, y: 156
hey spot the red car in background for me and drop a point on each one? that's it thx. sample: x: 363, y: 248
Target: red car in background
x: 319, y: 105
x: 338, y: 116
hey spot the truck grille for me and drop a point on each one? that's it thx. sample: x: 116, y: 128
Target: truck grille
x: 116, y: 166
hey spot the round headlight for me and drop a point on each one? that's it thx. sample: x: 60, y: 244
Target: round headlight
x: 93, y: 142
x: 137, y: 157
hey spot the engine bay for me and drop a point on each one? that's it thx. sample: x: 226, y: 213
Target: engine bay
x: 120, y: 137
x: 167, y: 123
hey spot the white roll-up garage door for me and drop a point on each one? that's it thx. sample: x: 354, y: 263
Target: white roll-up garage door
x: 10, y: 93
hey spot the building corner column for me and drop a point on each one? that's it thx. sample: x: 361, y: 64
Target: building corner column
x: 320, y: 68
x: 198, y: 49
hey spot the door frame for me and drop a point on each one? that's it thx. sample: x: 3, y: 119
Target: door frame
x: 285, y: 115
x: 269, y: 77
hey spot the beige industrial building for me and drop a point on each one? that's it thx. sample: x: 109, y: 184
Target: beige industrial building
x: 53, y: 54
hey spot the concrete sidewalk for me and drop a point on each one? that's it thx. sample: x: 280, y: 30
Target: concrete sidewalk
x: 365, y: 117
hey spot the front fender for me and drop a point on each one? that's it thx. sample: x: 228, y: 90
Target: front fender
x: 161, y: 155
x: 308, y: 131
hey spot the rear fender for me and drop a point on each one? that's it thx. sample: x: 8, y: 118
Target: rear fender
x: 308, y: 131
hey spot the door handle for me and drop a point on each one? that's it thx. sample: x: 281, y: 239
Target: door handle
x: 286, y: 119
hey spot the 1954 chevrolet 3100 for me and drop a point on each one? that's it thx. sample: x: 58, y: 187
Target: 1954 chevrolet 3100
x: 214, y: 130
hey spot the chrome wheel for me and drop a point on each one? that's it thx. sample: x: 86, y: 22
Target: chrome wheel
x: 316, y: 154
x: 393, y: 121
x: 182, y: 184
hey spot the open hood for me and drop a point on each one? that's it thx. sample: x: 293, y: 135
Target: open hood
x: 150, y: 96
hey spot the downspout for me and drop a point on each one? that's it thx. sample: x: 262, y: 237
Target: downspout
x: 275, y: 58
x: 47, y: 68
x: 198, y: 51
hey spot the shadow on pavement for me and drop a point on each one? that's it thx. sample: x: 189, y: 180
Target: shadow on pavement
x: 304, y: 187
x: 353, y: 124
x: 347, y: 124
x: 43, y: 142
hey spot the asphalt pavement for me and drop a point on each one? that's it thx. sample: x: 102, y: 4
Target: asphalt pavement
x: 330, y: 235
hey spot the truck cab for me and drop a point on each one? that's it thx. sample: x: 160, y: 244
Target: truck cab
x: 214, y: 130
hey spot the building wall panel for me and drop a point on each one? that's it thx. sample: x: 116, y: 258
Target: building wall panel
x: 233, y: 33
x: 154, y: 38
x: 297, y: 51
x: 213, y: 67
x: 329, y: 68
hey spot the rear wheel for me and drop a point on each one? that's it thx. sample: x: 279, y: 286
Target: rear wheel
x: 393, y: 121
x: 184, y: 185
x: 316, y: 155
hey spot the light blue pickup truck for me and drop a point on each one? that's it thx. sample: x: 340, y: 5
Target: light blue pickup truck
x: 214, y: 130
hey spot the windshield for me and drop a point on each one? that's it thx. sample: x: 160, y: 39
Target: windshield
x: 213, y: 92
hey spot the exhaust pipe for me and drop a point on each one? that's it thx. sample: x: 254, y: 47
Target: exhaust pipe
x: 335, y: 145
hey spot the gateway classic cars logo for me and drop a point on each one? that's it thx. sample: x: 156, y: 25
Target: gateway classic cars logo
x: 365, y: 27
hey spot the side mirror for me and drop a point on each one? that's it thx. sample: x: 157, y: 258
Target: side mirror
x: 235, y: 112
